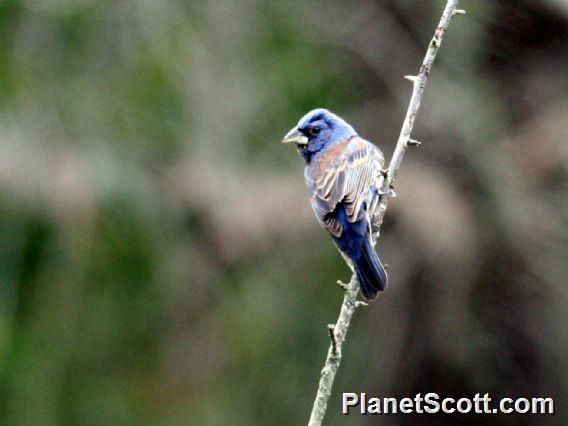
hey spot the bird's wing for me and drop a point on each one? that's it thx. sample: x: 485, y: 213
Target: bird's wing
x: 343, y: 174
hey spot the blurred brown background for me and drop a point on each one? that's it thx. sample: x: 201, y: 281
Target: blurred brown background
x: 160, y: 263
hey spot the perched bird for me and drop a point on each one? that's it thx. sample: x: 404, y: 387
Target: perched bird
x: 342, y: 174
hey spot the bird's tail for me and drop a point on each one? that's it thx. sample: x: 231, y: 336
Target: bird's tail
x: 370, y: 272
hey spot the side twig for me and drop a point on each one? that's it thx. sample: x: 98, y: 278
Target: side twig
x: 338, y: 331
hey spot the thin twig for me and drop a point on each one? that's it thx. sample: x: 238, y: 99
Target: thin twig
x: 338, y: 331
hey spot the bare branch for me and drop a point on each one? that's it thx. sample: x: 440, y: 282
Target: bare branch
x: 378, y: 207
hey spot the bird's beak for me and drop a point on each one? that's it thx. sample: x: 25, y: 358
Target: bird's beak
x: 295, y: 136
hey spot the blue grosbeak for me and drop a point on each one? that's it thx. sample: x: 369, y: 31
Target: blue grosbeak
x: 342, y: 174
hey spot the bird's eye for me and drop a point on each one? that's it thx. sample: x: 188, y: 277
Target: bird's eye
x: 314, y: 131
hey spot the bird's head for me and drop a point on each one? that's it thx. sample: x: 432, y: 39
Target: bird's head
x: 317, y: 129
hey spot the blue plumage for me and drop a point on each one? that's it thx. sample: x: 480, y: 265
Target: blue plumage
x: 342, y: 172
x: 355, y: 243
